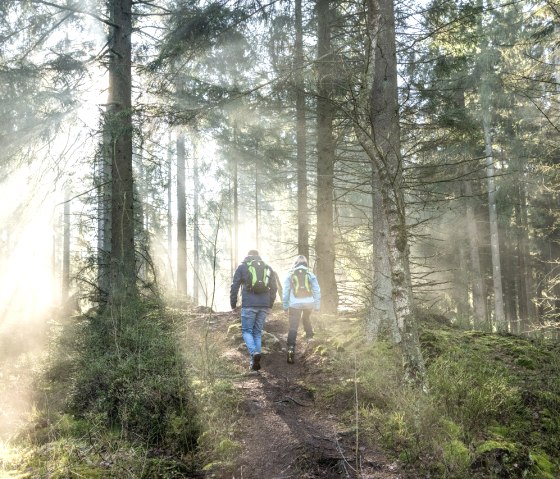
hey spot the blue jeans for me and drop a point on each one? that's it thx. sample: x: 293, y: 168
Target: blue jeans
x: 252, y: 324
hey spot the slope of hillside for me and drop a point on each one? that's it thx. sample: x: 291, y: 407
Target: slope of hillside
x: 342, y: 410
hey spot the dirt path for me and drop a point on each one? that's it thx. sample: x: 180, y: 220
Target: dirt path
x: 286, y: 434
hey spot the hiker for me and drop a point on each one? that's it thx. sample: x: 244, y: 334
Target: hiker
x: 257, y: 297
x: 300, y: 297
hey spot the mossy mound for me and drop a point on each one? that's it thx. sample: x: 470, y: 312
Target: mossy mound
x: 500, y: 393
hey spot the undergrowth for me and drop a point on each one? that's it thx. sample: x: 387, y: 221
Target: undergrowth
x: 492, y: 411
x: 144, y: 393
x: 150, y: 394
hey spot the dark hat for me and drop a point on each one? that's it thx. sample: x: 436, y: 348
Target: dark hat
x: 253, y: 252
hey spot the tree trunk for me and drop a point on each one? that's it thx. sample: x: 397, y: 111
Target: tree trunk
x: 66, y: 247
x: 235, y: 255
x: 169, y: 211
x: 499, y: 317
x: 181, y: 217
x: 141, y: 214
x: 257, y: 190
x: 303, y: 217
x: 123, y: 270
x: 103, y: 179
x: 527, y: 310
x: 475, y: 276
x: 381, y: 308
x: 383, y: 149
x: 461, y: 284
x: 324, y: 240
x: 197, y: 280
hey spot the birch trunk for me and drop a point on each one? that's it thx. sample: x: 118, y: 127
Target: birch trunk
x: 381, y: 141
x: 381, y: 308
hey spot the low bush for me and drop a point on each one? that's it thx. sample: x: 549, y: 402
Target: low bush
x: 130, y: 372
x: 487, y: 414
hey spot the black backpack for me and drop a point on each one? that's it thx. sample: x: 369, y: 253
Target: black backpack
x: 259, y: 276
x: 299, y: 281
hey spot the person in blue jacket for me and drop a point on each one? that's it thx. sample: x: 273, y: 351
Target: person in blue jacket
x: 301, y: 295
x: 255, y: 306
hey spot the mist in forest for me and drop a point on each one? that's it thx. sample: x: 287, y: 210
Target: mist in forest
x: 29, y: 291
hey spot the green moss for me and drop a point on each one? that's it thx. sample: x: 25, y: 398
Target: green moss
x: 525, y: 362
x: 456, y: 456
x: 492, y: 445
x: 228, y: 447
x: 544, y: 465
x: 453, y: 429
x: 499, y: 431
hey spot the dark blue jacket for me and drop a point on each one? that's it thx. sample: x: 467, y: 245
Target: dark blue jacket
x: 249, y: 299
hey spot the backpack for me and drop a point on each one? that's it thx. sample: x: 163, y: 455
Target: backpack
x: 299, y: 281
x: 259, y: 274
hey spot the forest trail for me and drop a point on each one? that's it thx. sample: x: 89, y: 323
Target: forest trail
x: 285, y: 433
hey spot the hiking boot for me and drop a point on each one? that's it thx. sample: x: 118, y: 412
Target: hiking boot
x: 291, y: 355
x: 256, y: 362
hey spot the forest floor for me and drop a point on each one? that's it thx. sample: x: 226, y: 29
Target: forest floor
x: 301, y: 421
x: 286, y: 432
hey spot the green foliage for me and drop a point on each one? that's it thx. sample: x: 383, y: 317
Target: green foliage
x: 217, y: 399
x: 131, y: 374
x: 492, y: 410
x: 130, y: 409
x: 472, y: 390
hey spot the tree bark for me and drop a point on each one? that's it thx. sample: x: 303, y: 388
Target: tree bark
x: 169, y: 208
x: 324, y: 240
x: 66, y: 247
x: 381, y: 141
x: 499, y: 314
x: 303, y: 217
x: 181, y: 217
x: 235, y: 176
x: 123, y: 268
x: 475, y: 276
x: 197, y: 280
x: 381, y: 308
x: 103, y: 178
x: 257, y: 190
x: 527, y: 310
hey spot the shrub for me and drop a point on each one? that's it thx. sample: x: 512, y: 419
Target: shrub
x: 131, y: 372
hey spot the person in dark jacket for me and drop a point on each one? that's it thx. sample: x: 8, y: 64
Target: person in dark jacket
x: 254, y: 306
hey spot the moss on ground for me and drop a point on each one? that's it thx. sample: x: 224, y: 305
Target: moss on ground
x: 499, y: 393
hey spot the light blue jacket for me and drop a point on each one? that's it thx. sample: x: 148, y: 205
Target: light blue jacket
x: 310, y: 302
